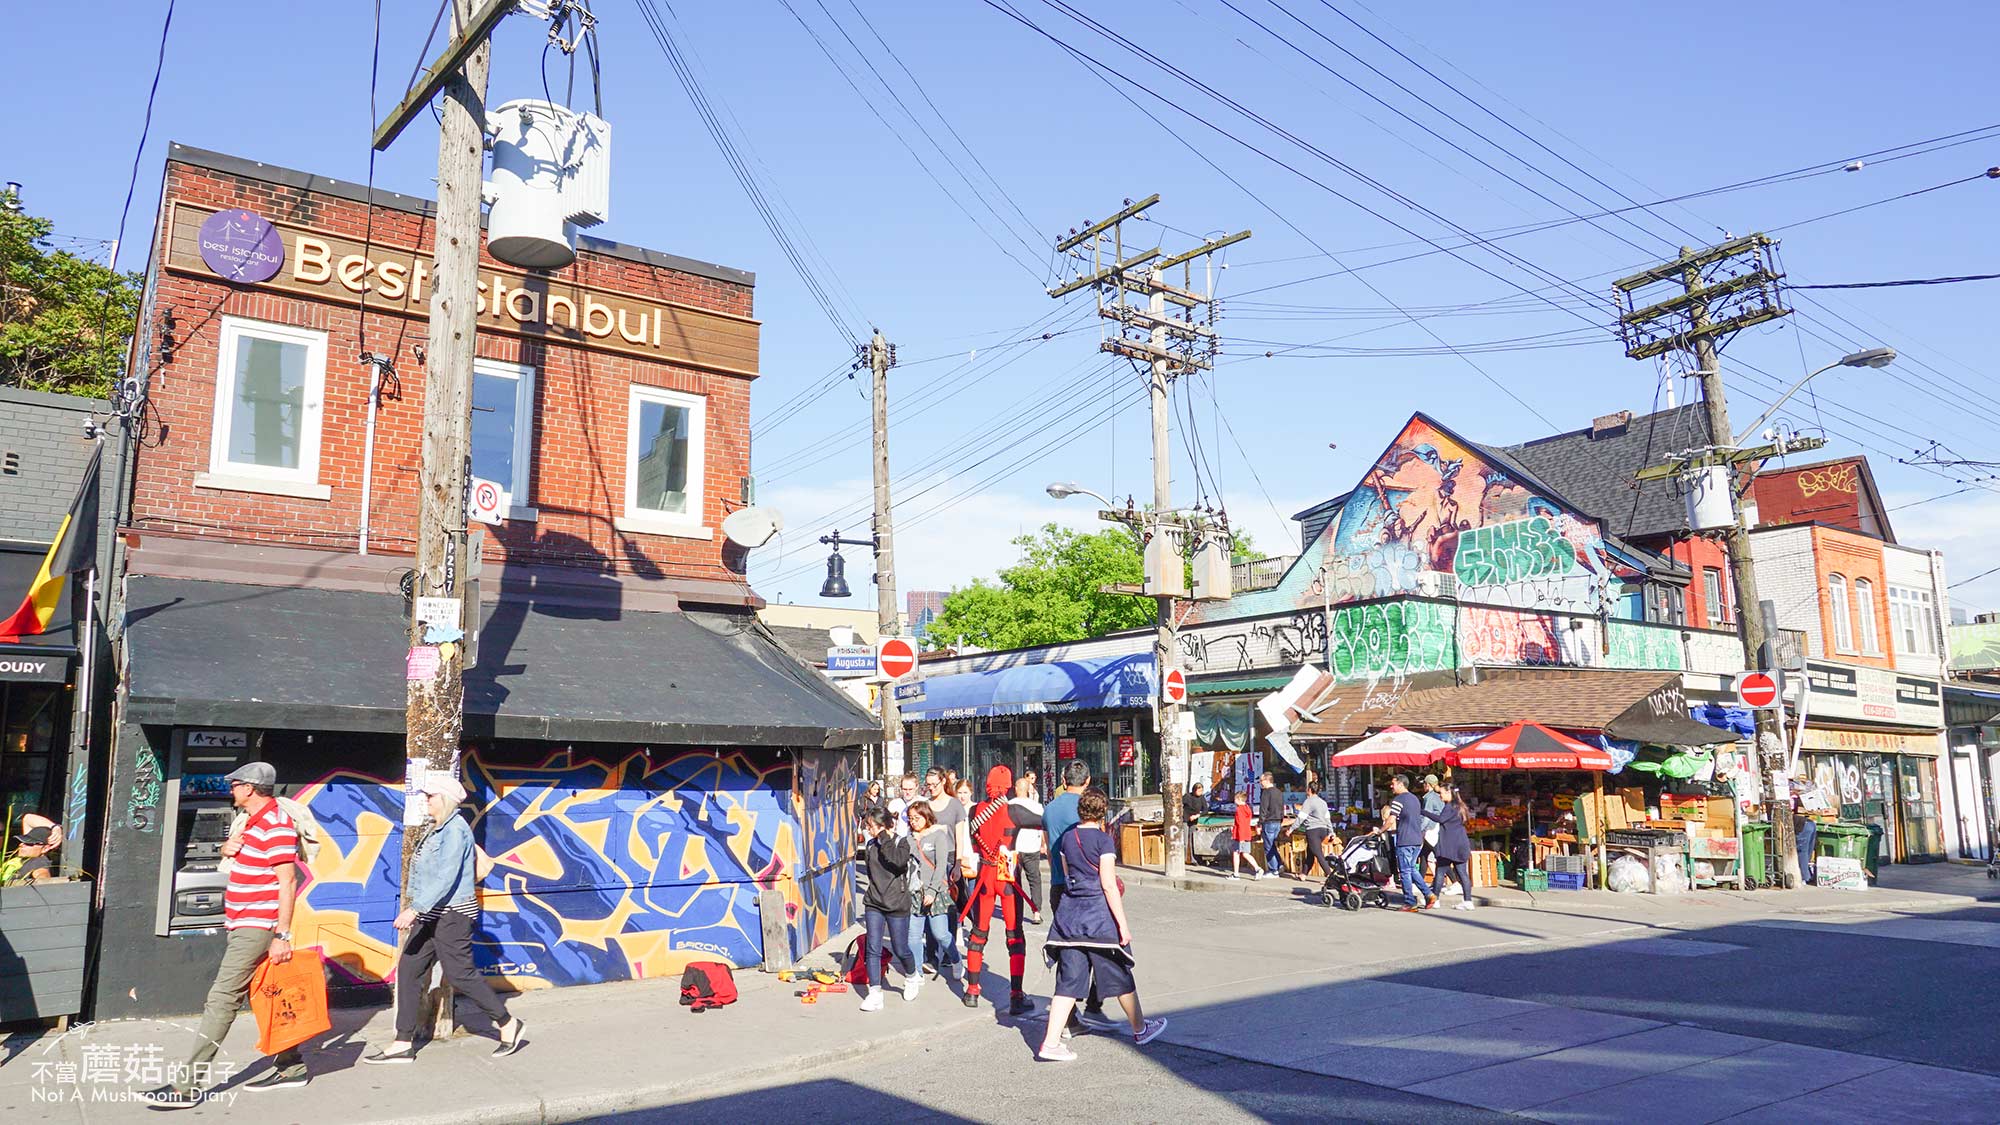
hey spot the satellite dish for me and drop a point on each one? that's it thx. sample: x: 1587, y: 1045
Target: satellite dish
x: 751, y: 528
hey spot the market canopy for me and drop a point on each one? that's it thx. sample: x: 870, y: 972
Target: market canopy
x: 229, y: 654
x: 1528, y: 746
x: 1641, y: 706
x: 1393, y: 747
x: 1055, y: 687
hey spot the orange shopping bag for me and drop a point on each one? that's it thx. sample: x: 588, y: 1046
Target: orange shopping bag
x: 289, y: 1001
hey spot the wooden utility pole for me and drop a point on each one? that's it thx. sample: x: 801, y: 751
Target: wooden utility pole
x: 1172, y: 346
x: 1749, y: 294
x: 881, y: 357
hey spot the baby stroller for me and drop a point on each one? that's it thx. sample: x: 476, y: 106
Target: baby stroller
x: 1360, y: 875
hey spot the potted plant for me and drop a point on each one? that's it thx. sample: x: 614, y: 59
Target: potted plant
x: 44, y: 925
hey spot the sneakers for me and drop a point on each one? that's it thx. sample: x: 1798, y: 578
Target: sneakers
x: 1151, y: 1031
x: 910, y: 986
x: 971, y: 997
x: 873, y: 1001
x: 1057, y: 1054
x: 930, y: 970
x: 391, y: 1054
x: 510, y: 1038
x: 171, y: 1097
x: 1234, y: 875
x: 1468, y: 904
x: 1019, y: 1004
x: 1432, y: 904
x: 283, y: 1078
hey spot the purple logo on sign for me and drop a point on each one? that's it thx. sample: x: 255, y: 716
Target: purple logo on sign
x: 240, y: 246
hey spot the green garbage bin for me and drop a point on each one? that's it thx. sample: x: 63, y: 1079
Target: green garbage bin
x: 1755, y: 866
x: 1845, y: 840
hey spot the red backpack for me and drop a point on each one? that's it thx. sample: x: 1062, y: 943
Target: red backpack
x: 857, y: 962
x: 707, y: 984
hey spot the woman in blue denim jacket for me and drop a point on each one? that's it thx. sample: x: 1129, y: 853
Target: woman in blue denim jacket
x: 441, y: 907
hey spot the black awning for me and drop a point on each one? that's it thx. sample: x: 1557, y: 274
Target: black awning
x: 216, y: 653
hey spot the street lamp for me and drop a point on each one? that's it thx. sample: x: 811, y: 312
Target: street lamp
x: 1871, y: 357
x: 835, y: 585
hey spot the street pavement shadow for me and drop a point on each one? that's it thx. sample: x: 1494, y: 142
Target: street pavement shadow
x: 837, y: 1100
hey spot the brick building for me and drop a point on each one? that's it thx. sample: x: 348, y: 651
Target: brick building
x: 655, y: 778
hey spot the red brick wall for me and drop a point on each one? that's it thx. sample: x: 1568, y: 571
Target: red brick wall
x: 578, y: 480
x: 1852, y: 556
x: 1697, y: 552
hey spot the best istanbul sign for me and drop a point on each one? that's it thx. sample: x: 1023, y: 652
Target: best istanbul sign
x: 242, y: 247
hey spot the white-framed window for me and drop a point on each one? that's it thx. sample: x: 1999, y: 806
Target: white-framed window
x: 1913, y: 621
x: 270, y: 388
x: 503, y: 430
x: 663, y: 463
x: 1843, y: 621
x: 1711, y: 594
x: 1864, y: 614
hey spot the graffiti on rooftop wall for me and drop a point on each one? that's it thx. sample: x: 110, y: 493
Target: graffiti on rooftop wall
x: 605, y: 869
x: 1390, y: 640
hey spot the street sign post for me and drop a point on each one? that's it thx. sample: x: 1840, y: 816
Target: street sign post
x: 896, y: 657
x: 850, y: 660
x: 1173, y: 687
x: 1759, y: 691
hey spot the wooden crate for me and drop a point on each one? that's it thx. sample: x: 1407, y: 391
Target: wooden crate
x: 1485, y: 869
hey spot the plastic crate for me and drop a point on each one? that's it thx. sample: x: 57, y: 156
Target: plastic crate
x: 1567, y: 880
x: 1534, y: 879
x: 1568, y: 864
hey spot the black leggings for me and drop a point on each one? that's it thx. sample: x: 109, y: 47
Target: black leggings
x: 1316, y: 847
x: 1456, y: 869
x: 445, y: 940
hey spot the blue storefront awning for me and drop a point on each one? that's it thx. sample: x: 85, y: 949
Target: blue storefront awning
x: 1106, y: 683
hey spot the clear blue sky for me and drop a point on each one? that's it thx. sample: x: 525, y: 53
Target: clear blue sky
x: 1652, y: 106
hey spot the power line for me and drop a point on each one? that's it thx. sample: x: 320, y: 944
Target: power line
x: 1896, y: 284
x: 1880, y: 202
x: 145, y: 129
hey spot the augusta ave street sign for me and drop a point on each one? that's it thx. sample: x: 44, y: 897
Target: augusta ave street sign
x: 850, y: 660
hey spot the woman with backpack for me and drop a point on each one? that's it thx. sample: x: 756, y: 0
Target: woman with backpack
x: 885, y: 909
x: 437, y: 925
x: 933, y: 861
x: 1090, y: 945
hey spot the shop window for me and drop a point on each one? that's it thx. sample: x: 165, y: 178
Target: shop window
x: 503, y: 424
x: 270, y: 386
x: 1864, y: 613
x: 663, y: 464
x: 1843, y: 623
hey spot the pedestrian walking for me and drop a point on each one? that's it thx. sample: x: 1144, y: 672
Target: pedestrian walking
x: 870, y: 800
x: 257, y: 914
x: 885, y: 910
x: 1271, y: 818
x: 1406, y: 822
x: 440, y: 911
x: 1090, y: 944
x: 908, y: 791
x: 1058, y: 820
x: 1028, y: 847
x: 1316, y: 823
x: 1193, y: 804
x: 1454, y: 846
x: 951, y: 813
x: 1433, y: 802
x: 1242, y: 834
x: 933, y: 858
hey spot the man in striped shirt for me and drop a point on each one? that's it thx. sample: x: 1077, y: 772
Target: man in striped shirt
x: 257, y: 908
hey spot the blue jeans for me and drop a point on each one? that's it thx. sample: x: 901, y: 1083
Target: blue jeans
x: 897, y: 929
x: 1271, y: 847
x: 939, y: 949
x: 1409, y: 864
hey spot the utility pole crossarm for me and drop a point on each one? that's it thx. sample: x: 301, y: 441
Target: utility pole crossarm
x: 441, y: 71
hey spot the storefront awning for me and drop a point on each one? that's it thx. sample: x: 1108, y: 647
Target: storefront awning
x: 1641, y: 706
x: 1240, y: 685
x: 1101, y: 684
x: 224, y: 654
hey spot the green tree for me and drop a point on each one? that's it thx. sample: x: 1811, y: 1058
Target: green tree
x: 1053, y: 594
x: 63, y: 319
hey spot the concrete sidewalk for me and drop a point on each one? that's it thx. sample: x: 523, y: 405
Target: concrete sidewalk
x: 590, y: 1051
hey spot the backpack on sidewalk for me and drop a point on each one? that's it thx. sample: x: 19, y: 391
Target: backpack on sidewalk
x: 707, y: 984
x: 857, y: 964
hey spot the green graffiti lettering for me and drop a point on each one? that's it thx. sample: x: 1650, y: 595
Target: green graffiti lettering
x: 1516, y: 551
x: 1641, y: 646
x: 1367, y: 642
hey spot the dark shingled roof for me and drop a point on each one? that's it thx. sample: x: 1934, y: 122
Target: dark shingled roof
x: 1595, y: 472
x: 803, y: 641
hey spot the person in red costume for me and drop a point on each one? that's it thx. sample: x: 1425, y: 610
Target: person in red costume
x: 992, y: 826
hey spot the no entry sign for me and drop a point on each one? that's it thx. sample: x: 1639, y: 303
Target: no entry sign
x: 896, y: 657
x: 1757, y: 690
x: 1173, y: 688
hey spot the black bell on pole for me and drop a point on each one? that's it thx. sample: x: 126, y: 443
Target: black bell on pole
x: 836, y: 577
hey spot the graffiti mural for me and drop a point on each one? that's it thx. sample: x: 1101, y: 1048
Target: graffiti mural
x: 604, y: 868
x: 1390, y: 640
x: 1243, y: 645
x: 1502, y: 636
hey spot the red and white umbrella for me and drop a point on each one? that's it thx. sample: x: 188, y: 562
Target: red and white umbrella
x: 1393, y: 747
x: 1529, y: 746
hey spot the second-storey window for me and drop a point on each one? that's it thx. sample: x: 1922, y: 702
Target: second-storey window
x: 1912, y: 621
x: 1843, y: 622
x: 270, y: 384
x: 1864, y: 614
x: 503, y: 423
x: 1711, y: 594
x: 663, y: 462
